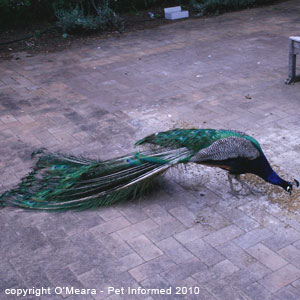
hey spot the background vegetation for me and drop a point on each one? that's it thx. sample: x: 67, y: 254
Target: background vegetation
x: 89, y: 15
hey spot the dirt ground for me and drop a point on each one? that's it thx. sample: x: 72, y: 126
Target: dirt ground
x: 51, y: 37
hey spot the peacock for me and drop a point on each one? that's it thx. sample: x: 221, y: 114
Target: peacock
x: 63, y: 182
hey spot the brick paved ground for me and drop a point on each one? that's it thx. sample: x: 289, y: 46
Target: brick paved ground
x: 98, y: 100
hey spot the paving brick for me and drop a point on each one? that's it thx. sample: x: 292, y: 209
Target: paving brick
x: 209, y: 216
x: 282, y: 277
x: 137, y: 229
x: 109, y: 213
x: 151, y: 267
x: 184, y: 215
x: 112, y: 225
x: 11, y: 278
x: 128, y: 262
x: 223, y: 235
x: 94, y: 278
x: 293, y: 223
x: 296, y: 284
x: 72, y: 223
x: 237, y: 217
x: 86, y: 220
x: 236, y: 255
x: 205, y: 252
x: 39, y: 262
x: 144, y: 247
x: 114, y: 244
x: 166, y: 230
x: 64, y: 278
x: 158, y: 214
x: 123, y: 279
x: 133, y: 213
x: 247, y: 276
x: 216, y: 272
x: 193, y: 233
x: 262, y: 217
x: 9, y: 178
x: 90, y: 260
x: 291, y: 254
x: 174, y: 200
x: 25, y: 119
x: 252, y: 237
x: 282, y: 239
x: 176, y: 274
x: 297, y: 244
x: 11, y: 244
x: 174, y: 250
x: 8, y: 119
x: 267, y: 257
x: 256, y: 291
x: 46, y: 138
x: 188, y: 282
x: 221, y: 289
x: 288, y: 292
x: 157, y: 282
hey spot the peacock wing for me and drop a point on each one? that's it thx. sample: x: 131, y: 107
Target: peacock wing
x: 230, y: 147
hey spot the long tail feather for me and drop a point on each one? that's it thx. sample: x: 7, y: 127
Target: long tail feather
x: 60, y: 182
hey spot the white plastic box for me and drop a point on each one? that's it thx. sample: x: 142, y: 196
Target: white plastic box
x: 174, y: 13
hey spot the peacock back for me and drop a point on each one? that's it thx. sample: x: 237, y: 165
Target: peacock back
x: 193, y: 139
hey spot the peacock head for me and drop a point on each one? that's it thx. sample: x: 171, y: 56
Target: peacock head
x: 275, y: 179
x: 289, y: 186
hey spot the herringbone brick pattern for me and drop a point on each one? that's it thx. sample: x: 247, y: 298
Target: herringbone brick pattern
x: 225, y: 71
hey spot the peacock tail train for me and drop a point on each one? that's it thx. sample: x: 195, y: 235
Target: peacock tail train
x: 61, y: 182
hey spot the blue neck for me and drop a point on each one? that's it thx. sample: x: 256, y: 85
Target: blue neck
x: 265, y: 171
x: 274, y: 179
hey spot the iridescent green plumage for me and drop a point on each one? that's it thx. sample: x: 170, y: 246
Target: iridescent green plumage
x: 60, y: 182
x: 193, y: 139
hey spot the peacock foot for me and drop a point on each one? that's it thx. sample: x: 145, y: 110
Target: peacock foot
x: 244, y: 186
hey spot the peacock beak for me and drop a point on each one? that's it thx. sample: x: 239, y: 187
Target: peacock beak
x: 290, y: 186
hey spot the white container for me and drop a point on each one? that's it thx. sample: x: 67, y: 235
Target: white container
x: 174, y: 13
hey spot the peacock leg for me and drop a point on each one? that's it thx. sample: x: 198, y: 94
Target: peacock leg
x: 245, y: 185
x: 233, y: 191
